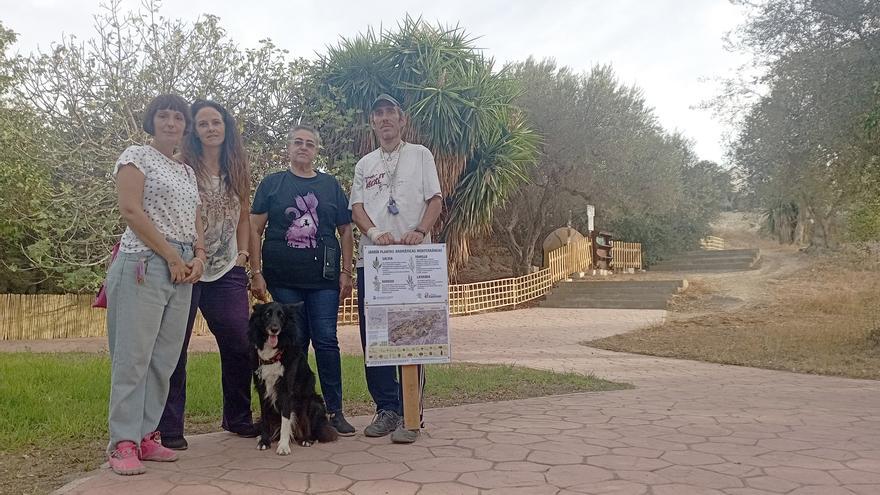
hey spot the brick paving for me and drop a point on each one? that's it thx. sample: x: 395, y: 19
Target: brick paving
x: 687, y: 428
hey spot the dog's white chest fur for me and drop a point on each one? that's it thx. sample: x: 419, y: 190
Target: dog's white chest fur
x: 270, y: 373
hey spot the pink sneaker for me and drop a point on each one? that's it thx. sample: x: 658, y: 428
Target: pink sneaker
x: 152, y: 449
x: 124, y: 460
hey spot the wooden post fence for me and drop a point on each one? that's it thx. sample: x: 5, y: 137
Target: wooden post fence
x: 50, y: 316
x: 627, y: 255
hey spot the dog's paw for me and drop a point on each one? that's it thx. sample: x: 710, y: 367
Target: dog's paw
x: 283, y: 450
x: 262, y: 446
x: 306, y: 443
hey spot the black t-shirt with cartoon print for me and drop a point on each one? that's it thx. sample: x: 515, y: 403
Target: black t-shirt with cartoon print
x: 303, y: 216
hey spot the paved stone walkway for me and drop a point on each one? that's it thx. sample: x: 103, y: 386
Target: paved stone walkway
x: 688, y: 428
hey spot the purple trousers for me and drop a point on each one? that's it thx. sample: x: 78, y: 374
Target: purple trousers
x: 224, y: 305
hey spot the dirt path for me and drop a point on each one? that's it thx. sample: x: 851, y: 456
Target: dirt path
x: 735, y: 290
x: 470, y: 334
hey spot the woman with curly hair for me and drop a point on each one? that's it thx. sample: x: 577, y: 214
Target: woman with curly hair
x: 216, y: 154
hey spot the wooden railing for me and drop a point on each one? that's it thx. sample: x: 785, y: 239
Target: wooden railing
x: 712, y: 243
x: 627, y: 255
x: 506, y: 292
x: 30, y: 317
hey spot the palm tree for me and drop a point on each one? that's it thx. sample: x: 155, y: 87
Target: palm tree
x: 780, y: 220
x: 458, y: 107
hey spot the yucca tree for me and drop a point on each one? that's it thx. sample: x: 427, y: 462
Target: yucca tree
x: 458, y: 107
x: 494, y: 171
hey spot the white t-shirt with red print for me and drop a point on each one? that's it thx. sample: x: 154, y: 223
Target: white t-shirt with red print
x: 415, y: 182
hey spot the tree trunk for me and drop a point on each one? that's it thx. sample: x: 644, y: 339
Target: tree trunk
x: 513, y: 247
x: 823, y: 235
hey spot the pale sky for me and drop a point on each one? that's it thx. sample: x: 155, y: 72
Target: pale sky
x: 672, y: 49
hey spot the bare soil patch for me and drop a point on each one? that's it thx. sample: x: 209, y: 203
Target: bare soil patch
x: 805, y: 313
x: 489, y: 260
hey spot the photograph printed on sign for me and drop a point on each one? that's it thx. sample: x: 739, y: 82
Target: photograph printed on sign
x: 417, y: 327
x: 407, y: 334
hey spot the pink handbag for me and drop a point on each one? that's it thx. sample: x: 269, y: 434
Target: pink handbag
x: 101, y: 298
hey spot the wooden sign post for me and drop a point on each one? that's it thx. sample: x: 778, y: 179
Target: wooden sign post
x: 412, y: 397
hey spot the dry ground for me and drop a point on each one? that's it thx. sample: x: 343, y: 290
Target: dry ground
x: 489, y: 260
x: 798, y: 312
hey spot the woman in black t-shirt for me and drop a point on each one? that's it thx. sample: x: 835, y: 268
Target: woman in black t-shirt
x: 305, y: 209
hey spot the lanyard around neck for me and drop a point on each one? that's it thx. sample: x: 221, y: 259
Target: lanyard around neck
x: 392, y: 172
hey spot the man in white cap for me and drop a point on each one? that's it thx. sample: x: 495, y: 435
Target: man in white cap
x: 395, y: 199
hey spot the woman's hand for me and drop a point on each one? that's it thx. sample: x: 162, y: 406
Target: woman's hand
x: 258, y: 287
x: 241, y: 260
x: 344, y: 286
x: 177, y: 267
x: 196, y: 269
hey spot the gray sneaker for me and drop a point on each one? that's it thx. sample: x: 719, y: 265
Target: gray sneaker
x: 402, y: 435
x: 384, y: 423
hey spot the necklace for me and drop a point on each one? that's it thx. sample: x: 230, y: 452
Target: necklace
x: 393, y: 157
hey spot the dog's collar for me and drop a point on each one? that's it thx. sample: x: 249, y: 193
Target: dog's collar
x: 274, y: 359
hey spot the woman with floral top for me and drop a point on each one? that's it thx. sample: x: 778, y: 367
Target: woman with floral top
x: 215, y: 152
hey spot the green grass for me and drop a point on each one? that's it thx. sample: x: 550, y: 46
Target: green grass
x: 50, y: 398
x: 53, y: 407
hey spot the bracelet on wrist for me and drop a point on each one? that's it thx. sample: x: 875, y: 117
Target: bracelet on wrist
x: 420, y: 231
x: 247, y: 255
x: 256, y: 272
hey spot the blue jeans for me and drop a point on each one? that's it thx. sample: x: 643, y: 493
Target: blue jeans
x: 321, y: 308
x: 146, y: 324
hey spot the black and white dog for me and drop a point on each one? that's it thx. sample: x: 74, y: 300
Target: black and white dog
x: 284, y: 380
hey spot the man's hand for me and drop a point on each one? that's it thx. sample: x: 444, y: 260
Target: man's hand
x: 385, y: 239
x: 380, y: 237
x: 412, y: 238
